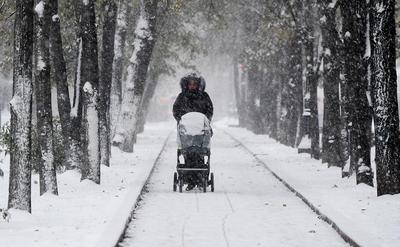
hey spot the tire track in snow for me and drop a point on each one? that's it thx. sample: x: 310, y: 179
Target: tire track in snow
x: 226, y: 239
x: 183, y: 231
x: 229, y: 201
x: 313, y: 208
x: 224, y: 230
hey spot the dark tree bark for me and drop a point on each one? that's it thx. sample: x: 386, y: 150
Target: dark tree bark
x: 21, y: 108
x: 309, y: 120
x: 331, y: 133
x: 253, y: 101
x: 90, y: 77
x: 295, y: 97
x: 107, y: 56
x: 307, y: 137
x: 77, y: 145
x: 60, y: 78
x: 356, y: 107
x: 47, y: 169
x: 384, y: 87
x: 137, y: 72
x: 76, y: 114
x: 312, y: 81
x: 270, y: 92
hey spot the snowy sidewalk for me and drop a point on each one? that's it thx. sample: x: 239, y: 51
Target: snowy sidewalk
x: 367, y: 219
x: 85, y: 214
x: 248, y: 208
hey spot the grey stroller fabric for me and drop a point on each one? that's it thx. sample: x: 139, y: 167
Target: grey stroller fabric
x: 194, y: 130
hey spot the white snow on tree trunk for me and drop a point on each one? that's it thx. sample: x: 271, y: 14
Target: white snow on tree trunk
x: 74, y: 110
x: 119, y: 51
x: 126, y: 127
x: 92, y: 132
x: 39, y: 9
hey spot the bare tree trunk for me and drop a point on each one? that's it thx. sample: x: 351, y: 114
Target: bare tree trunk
x: 331, y: 133
x: 295, y: 90
x: 21, y: 108
x: 123, y: 21
x: 47, y: 169
x: 311, y: 79
x: 356, y: 107
x: 76, y: 114
x: 60, y: 78
x: 307, y: 139
x: 151, y: 86
x: 137, y: 71
x: 90, y: 78
x: 239, y: 105
x: 384, y: 87
x: 76, y: 110
x: 254, y: 100
x: 110, y: 16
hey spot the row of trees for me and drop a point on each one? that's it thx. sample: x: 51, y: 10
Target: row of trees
x: 112, y: 63
x: 283, y: 51
x: 112, y: 53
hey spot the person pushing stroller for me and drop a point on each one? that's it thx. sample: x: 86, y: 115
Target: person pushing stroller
x: 193, y: 98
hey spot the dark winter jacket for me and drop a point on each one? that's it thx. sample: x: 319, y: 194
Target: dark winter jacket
x: 198, y: 101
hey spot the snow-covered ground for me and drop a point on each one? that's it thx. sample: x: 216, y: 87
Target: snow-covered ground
x: 368, y: 219
x: 248, y: 208
x: 85, y: 214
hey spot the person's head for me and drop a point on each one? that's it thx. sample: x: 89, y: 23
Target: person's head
x: 193, y: 85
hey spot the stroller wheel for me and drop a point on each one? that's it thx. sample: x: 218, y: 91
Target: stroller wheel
x: 175, y: 181
x: 212, y: 182
x: 180, y: 185
x: 204, y: 184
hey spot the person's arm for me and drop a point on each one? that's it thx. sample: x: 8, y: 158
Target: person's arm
x: 209, y: 107
x: 177, y: 108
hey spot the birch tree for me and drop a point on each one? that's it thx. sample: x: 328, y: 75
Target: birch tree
x: 21, y: 108
x: 145, y: 37
x: 47, y: 170
x: 385, y: 103
x: 123, y: 21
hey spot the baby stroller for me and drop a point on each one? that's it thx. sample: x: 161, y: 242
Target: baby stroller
x: 193, y: 154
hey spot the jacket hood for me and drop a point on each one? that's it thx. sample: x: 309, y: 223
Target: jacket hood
x: 193, y: 76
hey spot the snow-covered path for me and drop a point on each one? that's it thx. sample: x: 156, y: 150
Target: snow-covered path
x: 248, y: 208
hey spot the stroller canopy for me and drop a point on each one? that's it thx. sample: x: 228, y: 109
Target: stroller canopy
x: 194, y: 123
x: 194, y: 130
